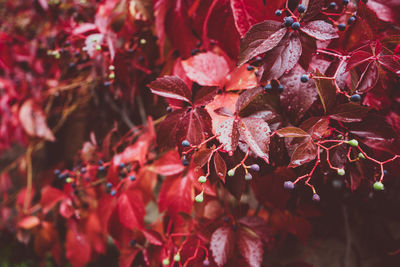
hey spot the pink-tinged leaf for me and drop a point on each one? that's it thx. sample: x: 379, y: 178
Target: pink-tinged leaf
x: 304, y: 153
x: 382, y: 11
x: 152, y: 237
x: 358, y: 58
x: 176, y: 195
x: 326, y: 91
x: 220, y: 166
x: 390, y: 62
x: 226, y: 100
x: 222, y: 244
x: 208, y: 69
x: 257, y: 225
x: 29, y: 222
x: 313, y: 8
x: 256, y: 133
x: 169, y: 164
x: 205, y: 95
x: 297, y: 97
x: 251, y: 247
x: 292, y: 132
x: 320, y: 30
x: 284, y: 58
x: 247, y: 13
x: 44, y: 4
x: 171, y: 87
x: 368, y: 78
x: 201, y: 157
x: 50, y: 196
x: 261, y: 38
x: 240, y: 78
x: 228, y: 134
x: 131, y: 209
x: 224, y: 112
x: 127, y: 256
x: 349, y: 112
x: 33, y: 120
x: 78, y: 250
x: 195, y: 126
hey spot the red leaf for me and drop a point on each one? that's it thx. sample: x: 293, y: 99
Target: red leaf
x: 320, y: 30
x: 313, y: 8
x: 220, y: 166
x: 391, y: 63
x: 326, y: 91
x: 261, y: 38
x: 131, y: 209
x: 207, y: 69
x: 200, y: 157
x: 222, y: 244
x: 176, y: 195
x: 320, y: 128
x: 240, y: 78
x: 291, y: 132
x: 226, y: 100
x: 171, y: 87
x: 251, y: 247
x: 166, y: 130
x: 195, y: 126
x: 29, y: 222
x: 246, y: 13
x: 127, y: 256
x: 50, y: 197
x: 169, y: 164
x: 33, y: 120
x: 358, y: 58
x: 205, y: 95
x: 224, y: 112
x: 152, y: 237
x: 368, y: 78
x: 78, y: 250
x: 255, y: 132
x: 304, y: 153
x: 284, y: 58
x: 349, y: 112
x: 228, y: 134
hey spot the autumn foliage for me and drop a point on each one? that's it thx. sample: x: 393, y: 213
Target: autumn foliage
x: 193, y: 132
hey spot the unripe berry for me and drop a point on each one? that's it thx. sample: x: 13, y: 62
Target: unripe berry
x: 316, y: 198
x: 69, y: 180
x: 165, y: 262
x: 278, y: 12
x: 341, y: 172
x: 288, y: 21
x: 361, y: 156
x: 301, y: 8
x: 185, y: 143
x: 353, y: 142
x: 177, y: 257
x: 231, y: 172
x: 355, y: 98
x: 206, y: 262
x: 199, y: 198
x: 111, y: 76
x: 378, y: 186
x: 295, y: 25
x: 111, y: 67
x: 255, y: 167
x: 202, y: 179
x: 304, y: 78
x: 288, y: 185
x: 98, y: 47
x: 248, y: 176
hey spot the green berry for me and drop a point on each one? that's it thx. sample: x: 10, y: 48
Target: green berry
x: 111, y: 67
x: 361, y: 156
x: 378, y: 186
x: 98, y: 47
x: 202, y: 179
x: 353, y: 142
x: 199, y: 198
x: 341, y: 172
x: 231, y: 172
x: 69, y: 180
x: 111, y: 76
x: 165, y: 262
x: 177, y: 257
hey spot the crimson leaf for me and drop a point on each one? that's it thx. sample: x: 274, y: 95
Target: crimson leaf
x: 320, y: 30
x: 171, y: 87
x: 349, y: 112
x: 222, y: 244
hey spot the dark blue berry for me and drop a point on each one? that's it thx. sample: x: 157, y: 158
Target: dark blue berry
x: 288, y: 21
x: 316, y: 198
x: 268, y: 87
x: 351, y: 20
x: 355, y: 98
x: 341, y: 27
x: 109, y: 185
x: 185, y: 162
x: 332, y: 5
x: 57, y: 172
x: 278, y: 12
x: 346, y: 2
x: 288, y: 185
x: 250, y: 68
x: 132, y: 178
x: 301, y: 8
x: 113, y: 192
x: 122, y: 165
x: 385, y: 172
x: 195, y: 51
x: 101, y: 168
x: 304, y: 78
x: 132, y: 242
x: 255, y: 167
x: 280, y: 88
x: 100, y: 162
x: 295, y: 25
x: 107, y: 84
x: 185, y: 143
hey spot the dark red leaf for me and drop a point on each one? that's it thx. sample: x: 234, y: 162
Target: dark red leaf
x: 171, y: 87
x: 166, y: 130
x: 195, y: 126
x: 228, y: 134
x: 251, y: 247
x: 349, y: 112
x: 204, y: 96
x: 320, y: 30
x: 368, y: 78
x: 291, y: 132
x: 261, y: 38
x: 304, y: 153
x: 220, y: 166
x: 391, y: 63
x: 320, y: 128
x: 313, y: 8
x: 256, y: 133
x: 131, y: 209
x: 127, y: 256
x: 200, y: 157
x: 169, y: 164
x: 222, y: 244
x: 326, y: 91
x: 358, y: 58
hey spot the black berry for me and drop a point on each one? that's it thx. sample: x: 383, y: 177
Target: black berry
x: 355, y: 98
x: 304, y: 78
x: 301, y: 8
